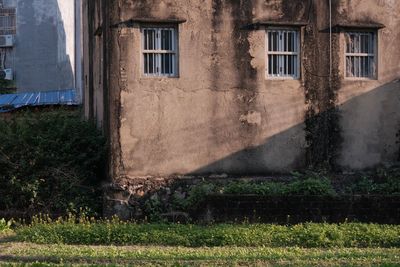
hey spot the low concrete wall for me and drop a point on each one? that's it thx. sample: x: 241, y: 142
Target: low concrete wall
x: 300, y: 209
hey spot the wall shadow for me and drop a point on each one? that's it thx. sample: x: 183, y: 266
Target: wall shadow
x: 369, y: 123
x: 42, y: 62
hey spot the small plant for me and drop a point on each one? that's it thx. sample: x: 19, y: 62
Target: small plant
x: 153, y: 209
x: 5, y: 226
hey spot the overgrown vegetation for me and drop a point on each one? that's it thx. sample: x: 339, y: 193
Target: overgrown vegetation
x: 307, y: 187
x: 188, y: 198
x: 323, y: 135
x: 115, y: 232
x: 382, y: 182
x: 50, y: 162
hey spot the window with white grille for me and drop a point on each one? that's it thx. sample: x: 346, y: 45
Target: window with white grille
x: 360, y: 55
x: 283, y: 53
x: 160, y: 52
x: 7, y: 21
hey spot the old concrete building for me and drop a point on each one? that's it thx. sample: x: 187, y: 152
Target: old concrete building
x: 238, y: 87
x: 45, y: 49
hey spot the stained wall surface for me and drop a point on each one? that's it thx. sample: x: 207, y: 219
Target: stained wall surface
x: 369, y: 109
x: 222, y: 115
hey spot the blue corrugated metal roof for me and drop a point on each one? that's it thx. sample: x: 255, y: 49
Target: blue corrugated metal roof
x: 10, y: 102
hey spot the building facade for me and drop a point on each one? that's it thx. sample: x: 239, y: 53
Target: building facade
x: 186, y: 88
x: 45, y: 49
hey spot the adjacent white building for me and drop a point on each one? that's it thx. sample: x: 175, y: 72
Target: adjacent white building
x: 40, y: 44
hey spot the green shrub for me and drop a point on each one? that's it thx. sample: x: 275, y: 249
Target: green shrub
x: 50, y: 162
x: 364, y: 186
x: 115, y: 232
x: 383, y: 182
x: 198, y: 193
x: 306, y: 187
x: 262, y: 189
x: 311, y: 187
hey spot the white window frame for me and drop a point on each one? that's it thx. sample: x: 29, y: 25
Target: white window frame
x: 158, y: 52
x: 374, y: 43
x: 297, y: 67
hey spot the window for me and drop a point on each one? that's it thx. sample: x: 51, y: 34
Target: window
x: 7, y: 21
x: 160, y: 55
x: 360, y: 55
x: 283, y: 53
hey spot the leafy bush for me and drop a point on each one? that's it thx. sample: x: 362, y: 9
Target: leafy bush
x: 50, y: 162
x: 311, y: 187
x: 382, y: 182
x: 198, y: 194
x: 262, y: 189
x: 115, y: 232
x: 306, y: 187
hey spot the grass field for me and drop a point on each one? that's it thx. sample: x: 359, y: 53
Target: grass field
x: 14, y: 253
x: 114, y: 243
x: 308, y: 235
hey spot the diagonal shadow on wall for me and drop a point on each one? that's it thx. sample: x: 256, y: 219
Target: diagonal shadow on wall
x: 369, y: 124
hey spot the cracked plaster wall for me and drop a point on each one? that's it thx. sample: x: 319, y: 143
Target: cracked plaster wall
x: 221, y: 103
x: 222, y: 115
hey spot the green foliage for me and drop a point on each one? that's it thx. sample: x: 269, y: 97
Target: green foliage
x: 198, y: 194
x: 306, y: 185
x: 311, y: 187
x: 5, y: 226
x: 50, y: 162
x: 115, y: 232
x: 323, y: 134
x: 262, y: 189
x: 153, y: 208
x: 382, y: 182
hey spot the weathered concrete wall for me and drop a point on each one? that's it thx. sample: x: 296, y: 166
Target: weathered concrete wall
x: 370, y: 116
x: 93, y: 51
x: 221, y: 115
x: 44, y: 54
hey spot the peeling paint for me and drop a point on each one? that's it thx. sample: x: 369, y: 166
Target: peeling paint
x: 252, y: 117
x: 222, y: 115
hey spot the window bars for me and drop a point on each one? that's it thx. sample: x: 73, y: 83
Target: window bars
x: 283, y: 54
x: 7, y: 21
x: 159, y: 51
x: 360, y: 55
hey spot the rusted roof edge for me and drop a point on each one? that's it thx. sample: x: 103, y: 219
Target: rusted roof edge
x: 133, y: 21
x: 359, y: 25
x: 257, y: 24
